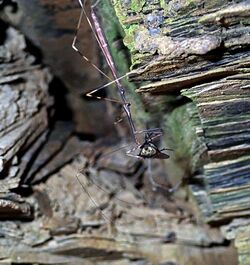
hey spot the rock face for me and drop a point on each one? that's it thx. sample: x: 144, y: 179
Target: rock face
x: 27, y: 141
x: 24, y: 118
x: 191, y: 64
x: 50, y: 27
x: 201, y: 51
x: 71, y: 229
x: 60, y: 222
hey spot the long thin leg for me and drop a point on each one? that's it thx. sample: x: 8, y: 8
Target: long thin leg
x: 100, y: 37
x: 129, y: 152
x: 120, y: 118
x: 105, y: 85
x: 97, y: 31
x: 152, y: 181
x: 113, y: 151
x: 75, y: 40
x: 91, y: 197
x: 168, y: 149
x: 156, y: 131
x: 83, y: 12
x: 105, y: 191
x: 90, y: 94
x: 175, y: 187
x: 155, y: 184
x: 134, y: 156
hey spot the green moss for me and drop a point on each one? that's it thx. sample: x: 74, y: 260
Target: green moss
x: 113, y: 32
x: 136, y: 61
x: 129, y: 38
x: 180, y: 126
x: 164, y: 6
x: 190, y: 147
x: 120, y: 13
x: 191, y: 4
x: 137, y: 5
x: 128, y: 29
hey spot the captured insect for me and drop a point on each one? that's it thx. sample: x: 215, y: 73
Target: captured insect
x: 148, y: 149
x: 143, y: 146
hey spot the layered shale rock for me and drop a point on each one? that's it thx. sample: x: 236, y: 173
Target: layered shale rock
x: 199, y: 50
x: 24, y: 117
x: 190, y: 60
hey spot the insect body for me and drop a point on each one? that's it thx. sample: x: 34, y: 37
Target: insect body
x: 149, y: 150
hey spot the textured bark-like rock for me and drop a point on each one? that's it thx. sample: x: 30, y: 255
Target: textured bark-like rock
x: 195, y: 46
x: 205, y: 54
x: 70, y: 228
x: 55, y: 141
x: 200, y: 49
x: 24, y: 101
x: 12, y: 206
x: 223, y: 110
x: 243, y: 245
x: 51, y: 26
x: 29, y: 150
x: 182, y: 40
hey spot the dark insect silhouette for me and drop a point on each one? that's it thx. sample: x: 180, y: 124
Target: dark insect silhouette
x: 149, y: 150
